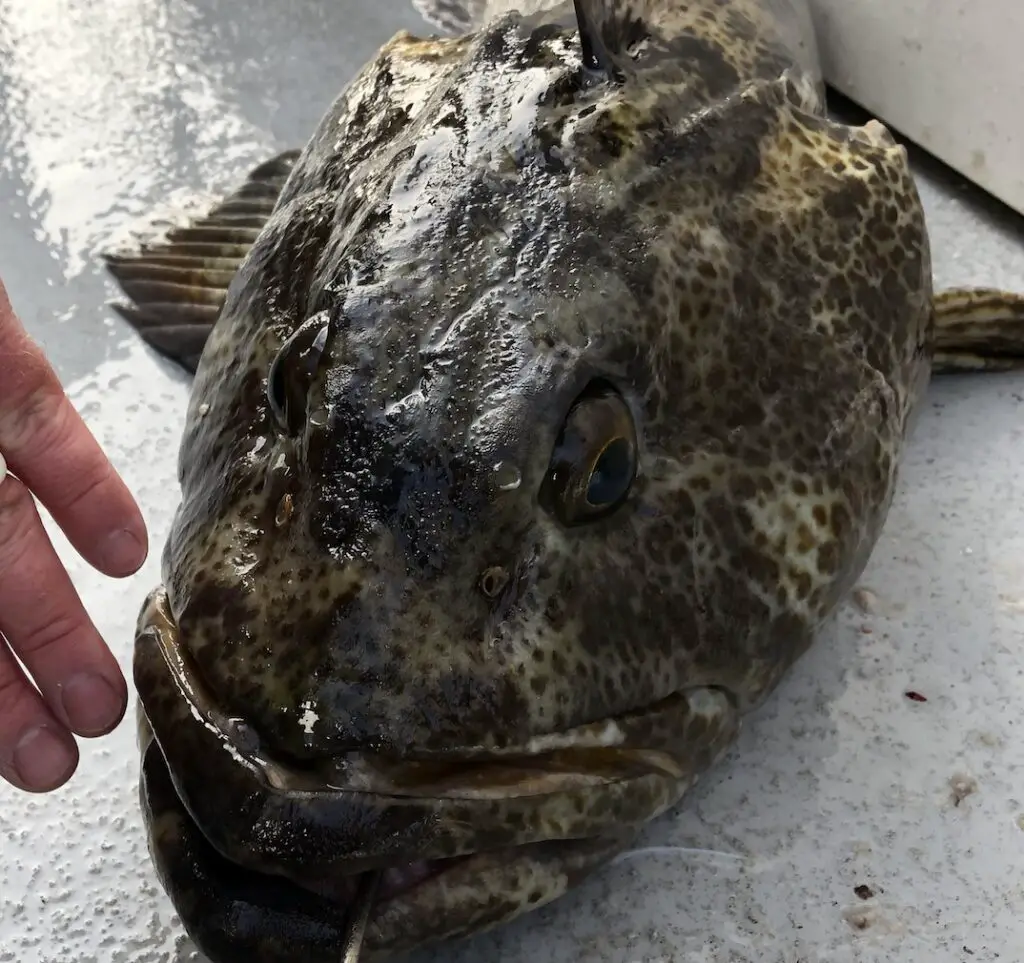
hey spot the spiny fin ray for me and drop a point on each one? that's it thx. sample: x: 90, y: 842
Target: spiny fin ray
x: 978, y: 329
x: 176, y: 286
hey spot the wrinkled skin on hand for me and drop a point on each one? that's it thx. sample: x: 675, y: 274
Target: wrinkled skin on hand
x: 71, y: 684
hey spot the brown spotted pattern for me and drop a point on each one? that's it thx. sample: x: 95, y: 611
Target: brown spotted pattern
x: 482, y: 229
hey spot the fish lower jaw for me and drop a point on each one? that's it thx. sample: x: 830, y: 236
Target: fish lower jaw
x: 401, y: 879
x: 394, y: 882
x: 237, y: 914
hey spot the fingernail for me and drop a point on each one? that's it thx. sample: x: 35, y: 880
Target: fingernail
x: 122, y: 553
x: 43, y: 760
x: 91, y: 705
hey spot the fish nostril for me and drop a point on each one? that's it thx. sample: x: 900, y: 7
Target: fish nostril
x: 493, y: 581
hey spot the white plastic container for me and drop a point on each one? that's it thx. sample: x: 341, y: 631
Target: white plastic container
x: 946, y: 74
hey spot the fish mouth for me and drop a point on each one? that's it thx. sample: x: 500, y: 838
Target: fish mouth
x: 260, y: 857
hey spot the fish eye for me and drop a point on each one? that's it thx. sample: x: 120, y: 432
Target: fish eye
x: 595, y: 459
x: 292, y: 373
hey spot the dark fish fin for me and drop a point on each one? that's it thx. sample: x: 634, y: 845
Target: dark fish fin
x: 177, y: 286
x: 605, y: 36
x: 464, y: 16
x: 978, y: 329
x: 607, y: 28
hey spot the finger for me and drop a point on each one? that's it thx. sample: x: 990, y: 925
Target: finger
x: 45, y: 624
x: 47, y: 445
x: 37, y: 753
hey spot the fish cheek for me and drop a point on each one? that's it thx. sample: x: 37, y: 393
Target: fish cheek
x: 620, y: 607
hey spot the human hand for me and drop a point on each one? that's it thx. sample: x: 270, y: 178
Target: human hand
x: 81, y: 689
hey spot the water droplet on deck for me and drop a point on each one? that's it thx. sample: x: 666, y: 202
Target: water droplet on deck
x: 507, y: 477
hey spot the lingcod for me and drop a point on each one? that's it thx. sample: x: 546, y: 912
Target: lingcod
x: 544, y: 406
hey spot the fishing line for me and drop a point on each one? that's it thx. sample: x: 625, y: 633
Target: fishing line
x: 359, y: 916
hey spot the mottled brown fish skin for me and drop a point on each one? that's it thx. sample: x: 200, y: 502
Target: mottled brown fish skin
x: 486, y: 230
x: 756, y: 279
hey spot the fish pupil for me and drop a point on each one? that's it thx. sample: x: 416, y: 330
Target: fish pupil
x: 612, y: 474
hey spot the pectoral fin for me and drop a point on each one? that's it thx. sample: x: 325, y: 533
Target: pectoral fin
x: 978, y: 329
x: 177, y: 286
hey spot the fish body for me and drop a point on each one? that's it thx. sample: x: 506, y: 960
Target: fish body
x: 545, y: 406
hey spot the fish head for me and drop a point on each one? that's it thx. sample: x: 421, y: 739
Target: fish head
x: 530, y: 450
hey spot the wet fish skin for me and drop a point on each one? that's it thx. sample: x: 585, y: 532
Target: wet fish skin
x: 377, y: 592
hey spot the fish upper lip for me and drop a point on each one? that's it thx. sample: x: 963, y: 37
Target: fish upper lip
x: 371, y: 812
x: 586, y: 759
